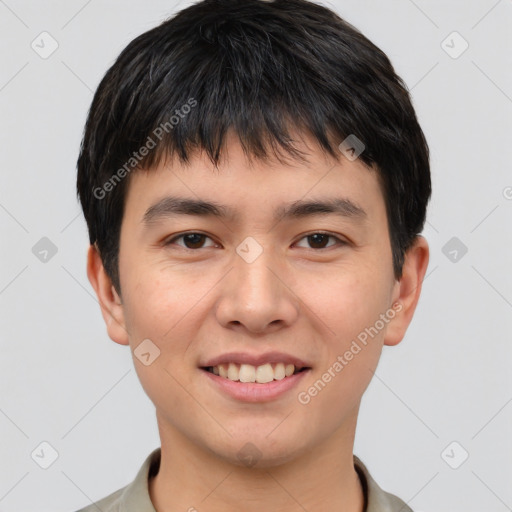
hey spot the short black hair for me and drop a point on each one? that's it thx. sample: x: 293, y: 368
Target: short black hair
x: 261, y: 69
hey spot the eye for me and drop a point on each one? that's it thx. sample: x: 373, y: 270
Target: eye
x: 192, y: 240
x: 320, y: 239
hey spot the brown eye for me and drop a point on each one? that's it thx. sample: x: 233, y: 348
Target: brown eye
x: 190, y: 240
x: 193, y: 240
x: 320, y: 240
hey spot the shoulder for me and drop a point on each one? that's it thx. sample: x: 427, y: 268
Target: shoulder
x: 378, y: 500
x: 109, y: 503
x: 133, y: 497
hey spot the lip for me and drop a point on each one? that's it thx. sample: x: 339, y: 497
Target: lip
x: 253, y: 391
x: 254, y: 359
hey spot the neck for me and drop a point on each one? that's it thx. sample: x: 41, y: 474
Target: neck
x: 192, y: 479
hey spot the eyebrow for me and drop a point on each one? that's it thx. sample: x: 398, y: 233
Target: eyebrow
x: 172, y: 206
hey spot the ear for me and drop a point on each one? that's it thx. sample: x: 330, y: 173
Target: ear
x: 110, y: 302
x: 407, y: 290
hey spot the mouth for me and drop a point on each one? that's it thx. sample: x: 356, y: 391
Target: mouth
x: 247, y: 377
x: 261, y: 374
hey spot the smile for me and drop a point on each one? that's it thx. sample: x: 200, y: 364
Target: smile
x: 261, y: 374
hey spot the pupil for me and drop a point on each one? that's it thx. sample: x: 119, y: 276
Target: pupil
x: 318, y: 237
x: 193, y: 238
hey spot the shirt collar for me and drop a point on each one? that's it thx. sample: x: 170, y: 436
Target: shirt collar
x: 135, y: 496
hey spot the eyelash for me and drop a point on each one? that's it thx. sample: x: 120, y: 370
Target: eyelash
x: 339, y: 240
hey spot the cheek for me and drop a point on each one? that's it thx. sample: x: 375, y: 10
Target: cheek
x: 352, y: 302
x: 159, y: 310
x: 349, y: 361
x: 352, y: 311
x: 157, y: 303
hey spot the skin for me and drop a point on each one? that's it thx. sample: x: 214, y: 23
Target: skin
x: 300, y: 296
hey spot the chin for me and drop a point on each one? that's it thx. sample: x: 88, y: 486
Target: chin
x: 259, y: 451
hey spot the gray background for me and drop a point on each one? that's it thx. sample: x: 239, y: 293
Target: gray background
x: 66, y: 383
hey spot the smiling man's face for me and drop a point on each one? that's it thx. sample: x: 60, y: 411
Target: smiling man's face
x: 262, y: 282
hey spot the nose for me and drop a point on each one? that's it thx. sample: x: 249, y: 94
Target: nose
x: 257, y: 296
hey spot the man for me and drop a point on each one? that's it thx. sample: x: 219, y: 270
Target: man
x: 255, y: 182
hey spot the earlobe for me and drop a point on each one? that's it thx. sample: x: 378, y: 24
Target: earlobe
x: 110, y: 303
x: 408, y: 290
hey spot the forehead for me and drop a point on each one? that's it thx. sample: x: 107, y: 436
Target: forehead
x: 242, y: 187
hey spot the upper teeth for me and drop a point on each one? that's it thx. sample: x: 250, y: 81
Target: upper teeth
x: 249, y: 373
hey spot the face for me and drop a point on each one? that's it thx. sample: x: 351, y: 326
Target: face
x: 265, y: 317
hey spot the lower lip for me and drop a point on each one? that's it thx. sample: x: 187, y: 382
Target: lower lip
x: 254, y: 392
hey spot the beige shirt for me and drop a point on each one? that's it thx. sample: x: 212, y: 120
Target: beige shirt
x: 134, y: 497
